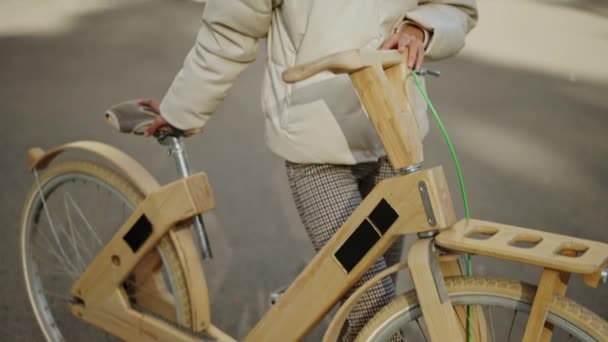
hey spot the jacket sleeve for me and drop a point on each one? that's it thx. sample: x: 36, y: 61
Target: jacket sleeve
x: 225, y: 45
x: 448, y: 22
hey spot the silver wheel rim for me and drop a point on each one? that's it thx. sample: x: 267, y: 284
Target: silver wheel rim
x: 34, y: 283
x: 393, y: 324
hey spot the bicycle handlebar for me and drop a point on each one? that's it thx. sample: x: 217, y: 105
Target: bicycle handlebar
x: 343, y: 62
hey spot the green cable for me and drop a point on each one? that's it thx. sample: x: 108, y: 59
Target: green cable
x: 449, y: 142
x: 460, y: 181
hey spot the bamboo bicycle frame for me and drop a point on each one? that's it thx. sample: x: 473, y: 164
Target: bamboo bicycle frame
x: 418, y: 202
x: 395, y: 207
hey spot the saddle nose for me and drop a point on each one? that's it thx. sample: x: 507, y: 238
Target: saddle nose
x: 130, y: 117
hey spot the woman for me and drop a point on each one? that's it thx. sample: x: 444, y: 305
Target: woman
x: 333, y: 154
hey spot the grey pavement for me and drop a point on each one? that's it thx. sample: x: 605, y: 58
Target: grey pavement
x: 532, y: 145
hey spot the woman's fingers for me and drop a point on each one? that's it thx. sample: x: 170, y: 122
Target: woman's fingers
x: 403, y: 41
x: 416, y: 56
x: 390, y: 42
x: 415, y: 51
x: 151, y: 103
x: 420, y: 58
x: 158, y: 121
x: 155, y: 125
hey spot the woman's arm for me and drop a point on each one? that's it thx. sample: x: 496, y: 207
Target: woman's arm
x: 447, y: 21
x: 225, y: 45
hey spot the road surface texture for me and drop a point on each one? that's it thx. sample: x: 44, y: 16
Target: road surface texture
x: 525, y: 103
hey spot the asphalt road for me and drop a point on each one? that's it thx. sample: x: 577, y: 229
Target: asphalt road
x: 532, y: 146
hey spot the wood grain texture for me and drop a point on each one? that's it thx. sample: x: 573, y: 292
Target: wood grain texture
x: 343, y: 62
x: 559, y: 289
x: 382, y: 95
x: 175, y: 202
x: 324, y: 281
x: 114, y: 315
x: 397, y: 131
x: 156, y: 298
x: 545, y: 253
x: 594, y: 279
x: 217, y: 334
x: 333, y: 330
x: 100, y: 287
x: 403, y: 194
x: 134, y: 172
x: 440, y: 317
x: 190, y: 260
x: 397, y: 76
x: 450, y: 267
x: 550, y: 282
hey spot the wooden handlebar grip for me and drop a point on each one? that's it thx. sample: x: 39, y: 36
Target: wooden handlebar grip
x: 384, y: 99
x: 343, y: 62
x: 301, y: 72
x: 337, y: 63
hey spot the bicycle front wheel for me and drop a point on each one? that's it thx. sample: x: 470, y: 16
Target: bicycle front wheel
x: 505, y: 304
x: 72, y: 211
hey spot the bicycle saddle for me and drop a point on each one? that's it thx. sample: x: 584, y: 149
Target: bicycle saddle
x: 132, y: 117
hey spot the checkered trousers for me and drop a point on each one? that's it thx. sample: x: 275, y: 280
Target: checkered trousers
x: 325, y: 196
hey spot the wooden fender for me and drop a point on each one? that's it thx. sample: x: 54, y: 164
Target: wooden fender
x: 39, y: 159
x: 333, y: 330
x: 136, y: 174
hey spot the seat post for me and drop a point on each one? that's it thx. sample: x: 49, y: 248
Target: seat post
x: 177, y: 149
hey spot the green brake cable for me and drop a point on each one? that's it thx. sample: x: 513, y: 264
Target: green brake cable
x: 460, y: 181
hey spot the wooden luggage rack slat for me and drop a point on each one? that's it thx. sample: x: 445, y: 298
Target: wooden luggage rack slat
x: 548, y: 250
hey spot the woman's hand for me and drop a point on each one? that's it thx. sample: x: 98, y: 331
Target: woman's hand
x: 410, y: 37
x: 158, y: 122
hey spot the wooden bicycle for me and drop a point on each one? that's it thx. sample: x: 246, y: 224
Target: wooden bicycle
x: 134, y: 268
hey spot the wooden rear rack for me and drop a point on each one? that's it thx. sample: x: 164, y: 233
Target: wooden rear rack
x: 548, y: 250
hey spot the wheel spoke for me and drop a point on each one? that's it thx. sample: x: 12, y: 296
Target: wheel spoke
x: 73, y: 234
x: 485, y: 294
x: 84, y: 219
x: 85, y: 245
x: 68, y: 267
x: 48, y: 216
x: 512, y: 324
x: 491, y: 323
x: 52, y: 268
x: 63, y: 297
x: 55, y: 271
x: 72, y: 213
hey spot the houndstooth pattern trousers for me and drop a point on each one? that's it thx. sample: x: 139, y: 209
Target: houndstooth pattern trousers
x: 325, y: 196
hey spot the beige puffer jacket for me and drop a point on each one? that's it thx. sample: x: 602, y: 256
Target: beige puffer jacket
x: 319, y: 120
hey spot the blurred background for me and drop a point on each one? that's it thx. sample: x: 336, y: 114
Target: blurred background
x: 526, y: 103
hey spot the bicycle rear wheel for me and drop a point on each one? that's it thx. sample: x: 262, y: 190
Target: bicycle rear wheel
x: 505, y: 304
x: 72, y: 211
